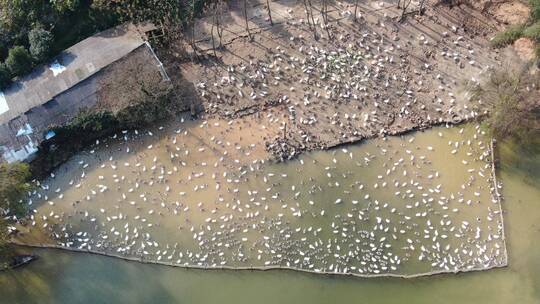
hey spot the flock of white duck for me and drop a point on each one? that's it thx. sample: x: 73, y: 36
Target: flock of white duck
x: 395, y: 205
x: 364, y: 81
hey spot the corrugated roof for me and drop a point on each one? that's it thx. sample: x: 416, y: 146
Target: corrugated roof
x: 81, y: 61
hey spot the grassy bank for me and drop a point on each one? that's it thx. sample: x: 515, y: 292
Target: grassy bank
x: 14, y: 184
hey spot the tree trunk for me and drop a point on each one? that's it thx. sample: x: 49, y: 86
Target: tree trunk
x: 307, y: 14
x: 324, y: 12
x: 422, y: 8
x: 246, y: 18
x: 212, y: 32
x: 315, y: 35
x: 219, y: 30
x: 193, y: 46
x: 404, y: 9
x: 269, y: 12
x: 355, y: 11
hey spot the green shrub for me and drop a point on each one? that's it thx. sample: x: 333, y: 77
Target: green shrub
x: 14, y: 184
x: 4, y: 44
x: 13, y: 187
x: 40, y: 43
x: 508, y: 36
x: 147, y: 112
x: 532, y: 32
x: 87, y: 127
x: 510, y: 95
x: 5, y: 76
x: 19, y: 61
x: 5, y: 253
x: 64, y: 6
x: 80, y: 132
x: 535, y: 9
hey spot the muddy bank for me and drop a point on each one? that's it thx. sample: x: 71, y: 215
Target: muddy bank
x: 16, y: 257
x: 357, y: 80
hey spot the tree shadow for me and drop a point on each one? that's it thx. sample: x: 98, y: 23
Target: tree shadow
x: 114, y: 32
x: 65, y: 58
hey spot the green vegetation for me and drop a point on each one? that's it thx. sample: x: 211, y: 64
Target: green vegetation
x: 507, y: 37
x: 5, y: 75
x: 19, y: 61
x: 13, y: 186
x: 40, y: 43
x: 530, y: 29
x: 513, y: 96
x: 535, y: 9
x: 5, y: 253
x: 533, y: 32
x: 14, y: 183
x: 45, y: 28
x: 87, y: 127
x: 513, y: 102
x: 168, y: 11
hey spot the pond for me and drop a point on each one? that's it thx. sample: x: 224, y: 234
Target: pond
x: 71, y: 277
x: 406, y: 205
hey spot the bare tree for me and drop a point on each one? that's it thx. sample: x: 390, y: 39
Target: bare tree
x: 212, y: 30
x: 219, y: 29
x: 309, y: 13
x: 422, y: 6
x: 192, y: 22
x: 324, y: 12
x: 269, y: 12
x: 355, y: 10
x: 246, y: 18
x: 406, y: 4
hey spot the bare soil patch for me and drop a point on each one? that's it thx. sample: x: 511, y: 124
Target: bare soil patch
x: 511, y: 12
x: 524, y: 47
x: 356, y: 80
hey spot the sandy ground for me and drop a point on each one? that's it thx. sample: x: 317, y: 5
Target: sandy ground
x: 358, y: 80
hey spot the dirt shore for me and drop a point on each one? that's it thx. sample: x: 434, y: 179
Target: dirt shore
x: 356, y: 80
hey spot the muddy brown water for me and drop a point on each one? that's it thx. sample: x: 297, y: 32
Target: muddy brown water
x: 397, y: 205
x: 65, y: 277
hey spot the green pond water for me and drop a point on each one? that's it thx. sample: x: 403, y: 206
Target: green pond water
x: 62, y: 277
